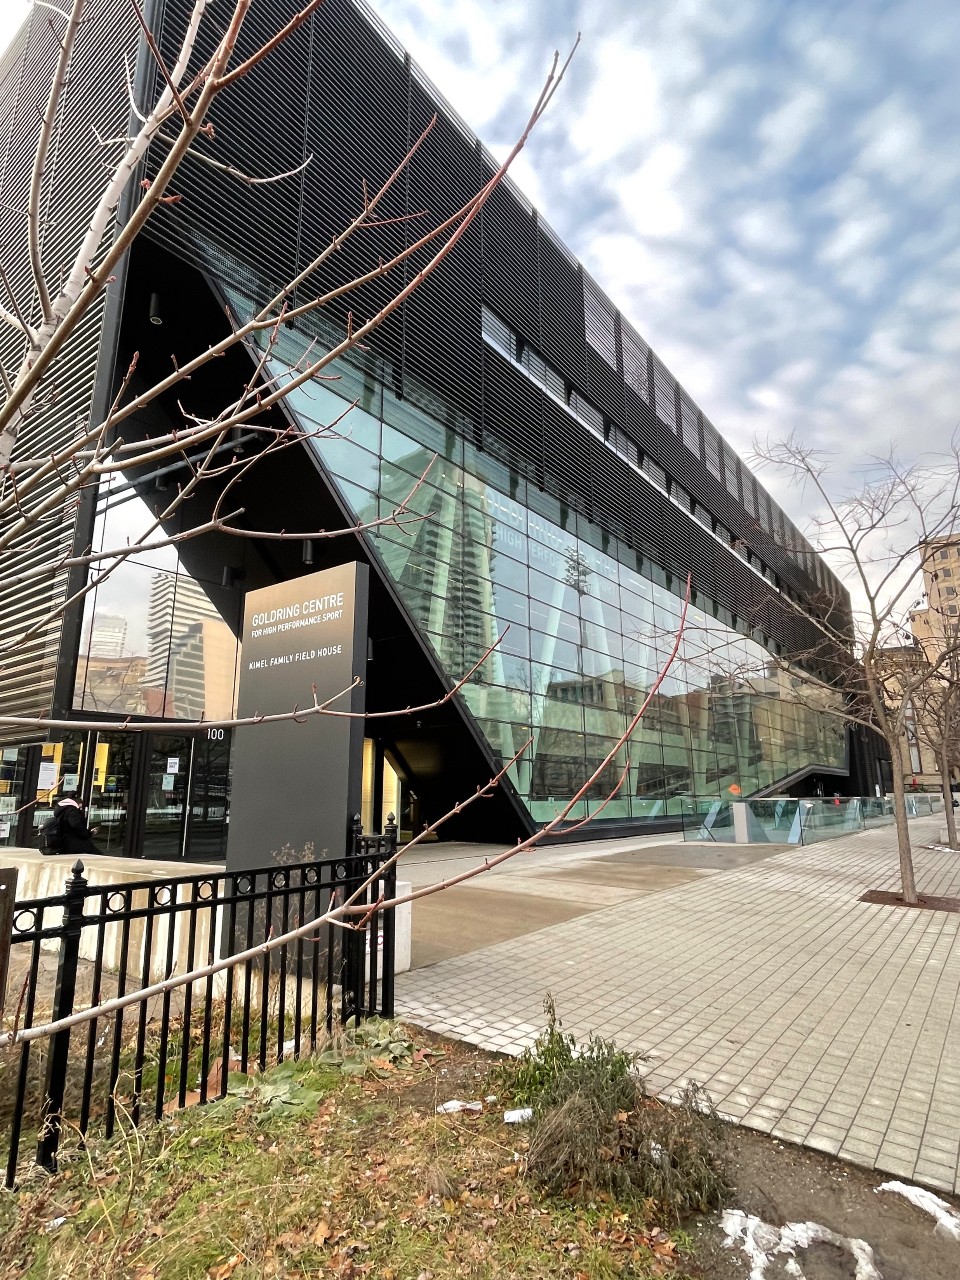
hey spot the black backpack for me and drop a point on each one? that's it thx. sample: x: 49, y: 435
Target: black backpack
x: 51, y: 834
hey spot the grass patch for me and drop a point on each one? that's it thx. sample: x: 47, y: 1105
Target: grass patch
x: 313, y: 1170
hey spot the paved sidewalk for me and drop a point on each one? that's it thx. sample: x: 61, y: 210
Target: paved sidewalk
x: 805, y: 1013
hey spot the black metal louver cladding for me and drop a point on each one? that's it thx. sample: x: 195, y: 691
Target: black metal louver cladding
x: 512, y: 427
x: 214, y: 206
x: 605, y: 386
x: 569, y: 459
x: 509, y: 262
x: 95, y: 99
x: 343, y: 92
x: 561, y: 304
x: 635, y: 355
x: 688, y: 419
x: 599, y: 323
x: 441, y: 329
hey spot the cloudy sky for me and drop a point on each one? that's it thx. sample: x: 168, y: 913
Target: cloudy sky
x: 768, y: 190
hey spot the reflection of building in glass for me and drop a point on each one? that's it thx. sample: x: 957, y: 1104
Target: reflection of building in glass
x: 112, y: 684
x: 201, y: 672
x: 107, y: 636
x: 190, y: 650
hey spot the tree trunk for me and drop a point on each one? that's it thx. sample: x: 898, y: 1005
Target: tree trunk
x: 907, y: 881
x: 947, y: 793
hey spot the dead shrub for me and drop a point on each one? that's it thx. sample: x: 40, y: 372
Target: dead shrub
x: 594, y: 1130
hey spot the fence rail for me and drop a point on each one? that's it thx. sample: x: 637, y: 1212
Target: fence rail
x: 93, y: 943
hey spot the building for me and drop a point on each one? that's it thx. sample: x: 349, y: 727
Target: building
x: 938, y: 620
x: 935, y: 628
x: 558, y: 479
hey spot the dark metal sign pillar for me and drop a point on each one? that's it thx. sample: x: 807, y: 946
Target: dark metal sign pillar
x: 297, y: 782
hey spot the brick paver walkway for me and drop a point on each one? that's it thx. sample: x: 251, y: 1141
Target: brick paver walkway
x: 805, y: 1013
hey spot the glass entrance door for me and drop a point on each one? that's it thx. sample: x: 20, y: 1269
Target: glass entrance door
x: 107, y: 786
x: 167, y: 795
x: 209, y: 797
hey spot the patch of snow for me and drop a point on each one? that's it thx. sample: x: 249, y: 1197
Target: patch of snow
x: 947, y: 1218
x: 761, y: 1242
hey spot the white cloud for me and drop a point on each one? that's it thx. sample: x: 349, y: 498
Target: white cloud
x: 768, y: 229
x: 854, y: 236
x: 12, y: 14
x: 651, y: 202
x: 893, y: 143
x: 622, y: 108
x: 784, y: 130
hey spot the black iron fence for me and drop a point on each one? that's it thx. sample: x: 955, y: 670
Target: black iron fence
x: 95, y: 943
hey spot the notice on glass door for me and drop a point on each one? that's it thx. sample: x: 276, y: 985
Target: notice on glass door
x: 47, y: 781
x: 173, y: 764
x: 167, y: 784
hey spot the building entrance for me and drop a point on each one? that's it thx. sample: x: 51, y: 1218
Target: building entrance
x: 163, y: 796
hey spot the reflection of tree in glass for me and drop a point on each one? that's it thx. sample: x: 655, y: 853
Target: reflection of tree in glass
x: 577, y: 576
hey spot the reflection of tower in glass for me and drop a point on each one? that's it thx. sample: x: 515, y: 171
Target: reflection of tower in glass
x: 108, y: 678
x: 443, y: 568
x: 107, y: 636
x: 191, y: 652
x: 444, y: 572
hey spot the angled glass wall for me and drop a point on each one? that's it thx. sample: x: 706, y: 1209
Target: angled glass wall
x: 584, y: 625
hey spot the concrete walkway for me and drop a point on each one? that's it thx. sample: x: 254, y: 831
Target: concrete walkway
x: 804, y: 1012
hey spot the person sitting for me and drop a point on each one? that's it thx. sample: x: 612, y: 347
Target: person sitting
x: 76, y: 836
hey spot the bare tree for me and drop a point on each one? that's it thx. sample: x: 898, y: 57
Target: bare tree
x: 44, y: 316
x: 875, y: 536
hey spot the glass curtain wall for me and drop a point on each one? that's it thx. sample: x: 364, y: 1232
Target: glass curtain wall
x: 155, y: 640
x: 584, y: 625
x: 161, y: 643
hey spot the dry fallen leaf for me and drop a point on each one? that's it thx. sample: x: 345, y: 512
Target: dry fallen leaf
x: 322, y: 1233
x: 173, y: 1104
x: 223, y: 1270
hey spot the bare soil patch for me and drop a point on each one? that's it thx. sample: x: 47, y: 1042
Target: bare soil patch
x: 925, y: 901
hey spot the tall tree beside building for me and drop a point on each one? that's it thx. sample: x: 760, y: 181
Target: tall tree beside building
x: 876, y: 536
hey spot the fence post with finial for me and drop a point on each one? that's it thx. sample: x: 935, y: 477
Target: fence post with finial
x: 352, y: 941
x: 66, y: 990
x: 354, y: 833
x: 389, y: 924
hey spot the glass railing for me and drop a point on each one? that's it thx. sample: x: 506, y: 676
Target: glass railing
x: 787, y: 820
x: 921, y: 803
x: 707, y: 819
x: 773, y: 818
x: 827, y: 819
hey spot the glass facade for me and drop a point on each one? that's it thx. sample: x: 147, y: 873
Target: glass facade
x: 155, y: 640
x: 584, y: 625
